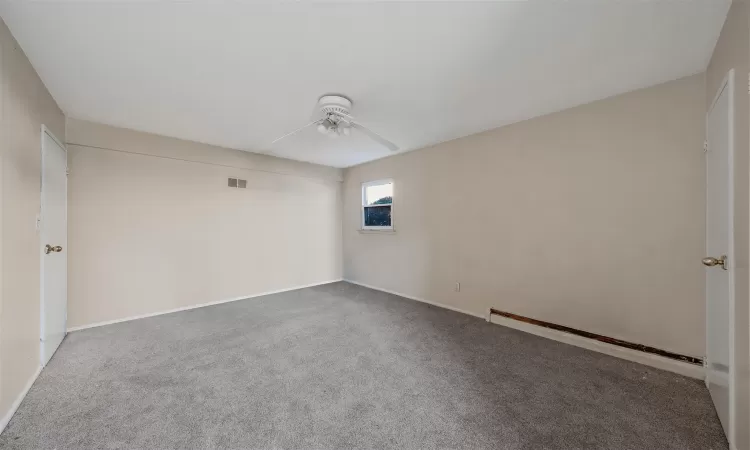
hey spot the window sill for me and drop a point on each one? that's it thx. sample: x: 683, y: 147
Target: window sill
x: 365, y: 231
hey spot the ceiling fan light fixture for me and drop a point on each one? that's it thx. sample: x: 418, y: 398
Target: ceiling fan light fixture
x: 337, y: 121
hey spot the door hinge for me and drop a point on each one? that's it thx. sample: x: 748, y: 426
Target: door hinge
x: 705, y: 146
x: 67, y: 171
x: 748, y: 82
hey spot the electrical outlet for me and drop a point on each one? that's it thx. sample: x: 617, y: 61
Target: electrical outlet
x: 458, y: 286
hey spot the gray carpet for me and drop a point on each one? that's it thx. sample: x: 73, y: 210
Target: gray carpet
x: 341, y: 366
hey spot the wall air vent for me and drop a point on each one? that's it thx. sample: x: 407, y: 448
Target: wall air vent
x: 237, y: 183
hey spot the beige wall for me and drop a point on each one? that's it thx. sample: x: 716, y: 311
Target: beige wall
x: 591, y: 218
x: 733, y: 51
x: 26, y: 105
x: 154, y: 227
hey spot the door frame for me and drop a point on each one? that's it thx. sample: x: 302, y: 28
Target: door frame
x: 46, y: 131
x: 727, y: 83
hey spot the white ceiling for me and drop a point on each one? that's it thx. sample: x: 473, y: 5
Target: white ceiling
x: 241, y: 74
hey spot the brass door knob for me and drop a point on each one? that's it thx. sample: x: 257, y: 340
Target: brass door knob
x: 721, y: 261
x: 49, y: 249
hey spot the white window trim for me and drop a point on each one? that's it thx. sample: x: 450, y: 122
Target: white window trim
x: 366, y: 184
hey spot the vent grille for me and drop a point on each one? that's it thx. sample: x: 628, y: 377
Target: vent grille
x: 236, y: 183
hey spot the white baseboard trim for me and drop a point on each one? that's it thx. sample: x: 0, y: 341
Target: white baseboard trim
x: 419, y: 299
x: 19, y: 399
x: 200, y: 305
x: 648, y: 359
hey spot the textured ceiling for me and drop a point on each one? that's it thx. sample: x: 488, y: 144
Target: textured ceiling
x: 241, y: 74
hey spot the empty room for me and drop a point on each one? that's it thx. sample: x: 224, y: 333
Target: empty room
x: 375, y: 224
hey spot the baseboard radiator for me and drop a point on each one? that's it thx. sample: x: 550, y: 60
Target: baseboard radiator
x: 599, y: 337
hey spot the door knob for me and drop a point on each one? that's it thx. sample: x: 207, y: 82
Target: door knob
x: 49, y: 249
x: 721, y: 261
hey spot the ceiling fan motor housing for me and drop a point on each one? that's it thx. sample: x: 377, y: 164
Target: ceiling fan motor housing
x: 334, y: 104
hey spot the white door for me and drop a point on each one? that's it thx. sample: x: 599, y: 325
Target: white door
x: 718, y: 261
x: 53, y: 239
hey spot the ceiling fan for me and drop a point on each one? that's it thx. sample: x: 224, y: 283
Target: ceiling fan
x: 336, y: 121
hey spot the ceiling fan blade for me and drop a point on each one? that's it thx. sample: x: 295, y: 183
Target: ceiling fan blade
x: 374, y: 136
x: 297, y: 130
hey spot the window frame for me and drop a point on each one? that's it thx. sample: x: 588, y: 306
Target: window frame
x: 363, y: 200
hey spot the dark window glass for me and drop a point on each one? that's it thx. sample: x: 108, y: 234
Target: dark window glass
x: 378, y: 216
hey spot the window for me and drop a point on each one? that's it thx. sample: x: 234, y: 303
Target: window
x: 377, y: 202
